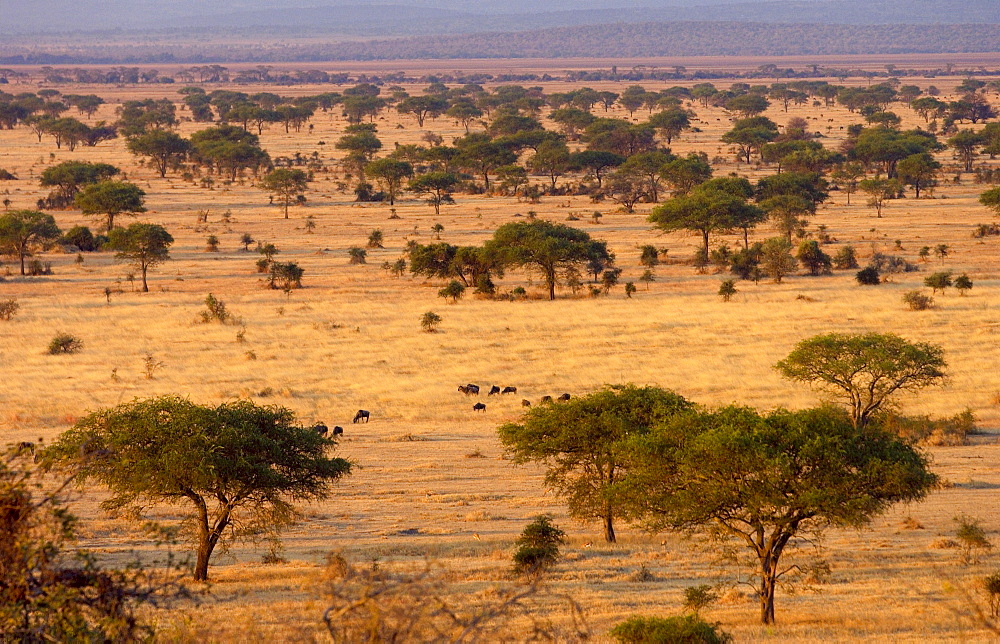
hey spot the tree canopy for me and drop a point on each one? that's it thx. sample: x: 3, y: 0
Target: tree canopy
x: 763, y: 479
x: 23, y: 231
x: 142, y: 245
x: 550, y: 248
x: 585, y: 441
x: 111, y: 198
x: 237, y: 467
x: 864, y: 371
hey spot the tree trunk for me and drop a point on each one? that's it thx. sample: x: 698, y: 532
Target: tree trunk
x: 145, y: 288
x: 768, y: 581
x: 704, y: 238
x: 22, y: 264
x: 550, y: 278
x: 286, y: 206
x: 609, y: 528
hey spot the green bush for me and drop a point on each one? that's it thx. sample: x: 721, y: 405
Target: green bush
x: 685, y: 629
x: 938, y: 281
x: 727, y: 289
x: 991, y: 584
x: 429, y: 321
x: 868, y: 276
x: 538, y: 546
x: 454, y: 290
x: 917, y: 301
x: 64, y: 343
x: 81, y: 237
x: 8, y: 308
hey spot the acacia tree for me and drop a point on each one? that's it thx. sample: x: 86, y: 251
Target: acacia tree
x: 23, y: 231
x: 584, y: 443
x: 550, y: 248
x: 864, y: 371
x: 142, y: 245
x: 111, y: 198
x: 389, y: 173
x: 163, y: 147
x: 286, y: 183
x: 237, y: 467
x: 764, y: 479
x: 437, y: 186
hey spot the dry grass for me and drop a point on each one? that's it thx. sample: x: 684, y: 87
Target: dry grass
x: 432, y: 482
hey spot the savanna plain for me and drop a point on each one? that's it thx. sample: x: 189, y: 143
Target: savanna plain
x: 431, y: 482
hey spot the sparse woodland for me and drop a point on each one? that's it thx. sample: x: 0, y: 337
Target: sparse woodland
x: 218, y: 267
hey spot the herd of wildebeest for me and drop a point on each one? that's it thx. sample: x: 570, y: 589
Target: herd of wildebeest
x: 470, y: 389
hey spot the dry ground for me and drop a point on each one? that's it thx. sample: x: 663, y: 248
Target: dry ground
x: 431, y: 481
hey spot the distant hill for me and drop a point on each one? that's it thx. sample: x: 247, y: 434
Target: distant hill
x: 379, y: 19
x: 600, y: 41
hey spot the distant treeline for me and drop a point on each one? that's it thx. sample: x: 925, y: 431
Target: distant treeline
x: 603, y: 41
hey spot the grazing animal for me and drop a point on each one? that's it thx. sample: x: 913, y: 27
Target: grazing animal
x: 479, y: 407
x: 25, y: 447
x: 362, y: 415
x: 563, y: 398
x: 509, y: 390
x: 525, y: 402
x: 471, y: 389
x: 545, y: 399
x: 338, y: 430
x: 494, y: 390
x: 320, y: 429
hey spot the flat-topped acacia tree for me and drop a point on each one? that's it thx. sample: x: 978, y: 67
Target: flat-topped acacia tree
x: 550, y: 248
x: 761, y: 480
x: 237, y: 468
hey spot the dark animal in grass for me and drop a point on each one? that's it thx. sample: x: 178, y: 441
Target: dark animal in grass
x: 479, y: 407
x: 545, y: 399
x: 338, y: 430
x: 362, y: 415
x: 509, y: 390
x: 494, y: 390
x: 525, y: 402
x: 563, y: 398
x: 320, y: 429
x: 469, y: 390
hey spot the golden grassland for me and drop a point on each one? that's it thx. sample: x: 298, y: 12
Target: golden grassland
x: 431, y: 481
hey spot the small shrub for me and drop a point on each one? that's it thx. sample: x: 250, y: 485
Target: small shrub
x: 991, y: 584
x: 812, y: 258
x: 64, y: 343
x: 963, y: 283
x: 358, y: 255
x: 212, y: 244
x: 917, y: 301
x: 81, y: 237
x: 938, y: 281
x: 215, y: 311
x: 698, y: 597
x: 538, y: 546
x: 150, y: 365
x: 972, y: 538
x: 649, y: 256
x: 36, y: 267
x: 263, y: 264
x: 727, y: 289
x: 285, y: 276
x: 454, y: 290
x: 629, y: 289
x: 868, y: 276
x: 429, y: 321
x: 8, y: 309
x: 932, y: 431
x: 375, y: 239
x: 668, y: 630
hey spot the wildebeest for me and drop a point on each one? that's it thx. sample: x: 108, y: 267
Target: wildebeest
x: 509, y: 390
x: 469, y: 389
x: 479, y: 407
x: 338, y: 430
x: 25, y: 447
x: 545, y: 399
x: 563, y: 398
x: 525, y: 402
x: 494, y: 390
x: 320, y: 429
x: 362, y: 415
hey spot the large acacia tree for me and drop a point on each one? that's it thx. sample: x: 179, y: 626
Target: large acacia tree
x: 237, y: 467
x: 864, y: 371
x: 763, y: 480
x: 549, y: 248
x: 585, y: 442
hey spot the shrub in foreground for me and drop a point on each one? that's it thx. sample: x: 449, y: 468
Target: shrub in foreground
x: 64, y: 343
x: 689, y: 629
